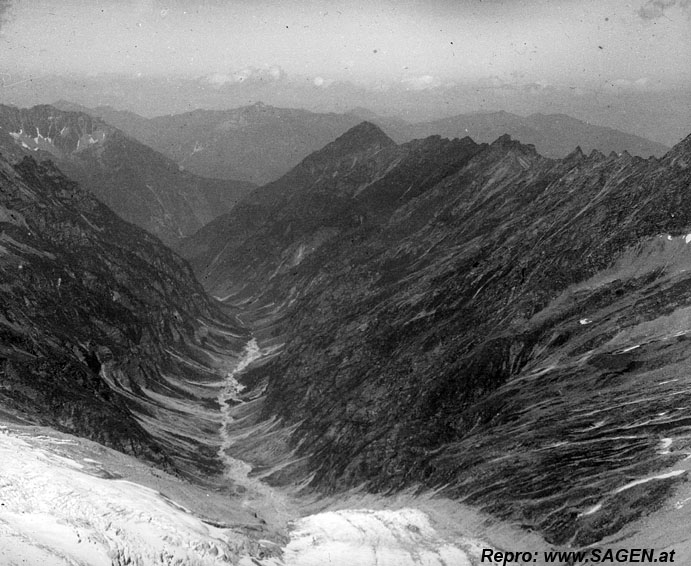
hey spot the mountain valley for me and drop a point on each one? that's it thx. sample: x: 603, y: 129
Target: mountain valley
x: 365, y: 283
x: 441, y: 346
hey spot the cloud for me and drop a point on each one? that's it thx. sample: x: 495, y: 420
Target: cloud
x: 218, y: 79
x: 321, y: 82
x: 423, y: 82
x: 539, y: 87
x: 267, y: 74
x: 640, y: 84
x: 654, y: 9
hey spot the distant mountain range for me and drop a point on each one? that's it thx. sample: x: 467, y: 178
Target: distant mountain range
x: 140, y: 184
x: 259, y: 143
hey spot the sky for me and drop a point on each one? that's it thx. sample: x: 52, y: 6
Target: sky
x: 585, y: 48
x: 421, y: 43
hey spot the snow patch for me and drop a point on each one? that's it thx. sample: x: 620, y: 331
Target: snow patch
x: 365, y: 537
x: 646, y: 480
x: 591, y: 511
x: 54, y: 513
x: 680, y: 504
x: 666, y: 442
x: 665, y: 445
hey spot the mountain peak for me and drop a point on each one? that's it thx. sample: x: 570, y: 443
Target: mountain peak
x: 507, y: 143
x: 681, y: 152
x: 67, y: 106
x: 504, y: 140
x: 364, y: 136
x: 576, y: 155
x: 258, y: 106
x: 366, y: 131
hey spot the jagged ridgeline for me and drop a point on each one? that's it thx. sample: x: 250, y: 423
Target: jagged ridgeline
x: 104, y: 332
x: 472, y: 318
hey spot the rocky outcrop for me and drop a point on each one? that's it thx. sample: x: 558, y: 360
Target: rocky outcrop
x: 139, y: 184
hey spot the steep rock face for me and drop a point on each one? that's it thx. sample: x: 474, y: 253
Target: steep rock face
x: 104, y: 332
x: 511, y: 335
x: 138, y: 183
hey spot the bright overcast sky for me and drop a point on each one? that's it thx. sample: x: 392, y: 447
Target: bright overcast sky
x: 433, y: 41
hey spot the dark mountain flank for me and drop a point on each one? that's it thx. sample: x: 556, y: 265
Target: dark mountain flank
x: 139, y: 184
x: 478, y: 319
x: 104, y: 332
